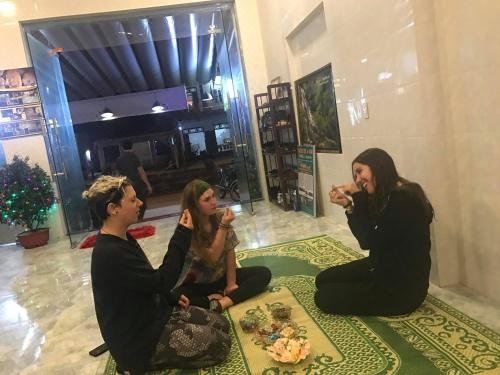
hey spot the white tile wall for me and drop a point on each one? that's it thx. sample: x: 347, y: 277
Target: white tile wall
x: 428, y: 70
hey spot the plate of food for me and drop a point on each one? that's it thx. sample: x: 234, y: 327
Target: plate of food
x: 289, y: 350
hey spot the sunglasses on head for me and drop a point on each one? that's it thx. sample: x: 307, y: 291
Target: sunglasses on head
x: 115, y: 192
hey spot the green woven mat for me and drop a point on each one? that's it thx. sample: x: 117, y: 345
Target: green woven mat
x: 435, y: 339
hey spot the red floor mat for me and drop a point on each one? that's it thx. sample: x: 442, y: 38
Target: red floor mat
x: 139, y: 232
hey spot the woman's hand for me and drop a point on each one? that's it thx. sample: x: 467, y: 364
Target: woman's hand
x: 228, y: 216
x: 183, y: 302
x: 350, y: 188
x: 230, y: 288
x: 339, y: 195
x: 186, y: 219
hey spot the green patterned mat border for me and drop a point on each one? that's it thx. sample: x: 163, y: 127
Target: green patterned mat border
x: 445, y: 360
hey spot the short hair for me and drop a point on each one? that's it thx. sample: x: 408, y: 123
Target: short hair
x: 127, y: 145
x: 105, y: 190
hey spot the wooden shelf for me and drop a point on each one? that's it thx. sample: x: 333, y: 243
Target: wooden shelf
x: 15, y: 106
x: 273, y: 152
x: 18, y: 89
x: 263, y: 106
x: 22, y: 135
x: 279, y: 101
x: 22, y: 121
x: 282, y: 135
x: 289, y: 126
x: 286, y: 152
x: 283, y: 206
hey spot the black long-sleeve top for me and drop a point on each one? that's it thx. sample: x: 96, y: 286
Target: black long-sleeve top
x: 398, y: 240
x: 132, y: 299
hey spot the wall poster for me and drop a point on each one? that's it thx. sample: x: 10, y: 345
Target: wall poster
x: 317, y: 111
x: 306, y: 161
x: 20, y: 109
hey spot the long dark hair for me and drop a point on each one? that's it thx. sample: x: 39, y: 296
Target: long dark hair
x: 387, y: 179
x: 190, y: 195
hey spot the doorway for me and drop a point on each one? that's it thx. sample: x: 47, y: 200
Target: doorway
x: 126, y: 59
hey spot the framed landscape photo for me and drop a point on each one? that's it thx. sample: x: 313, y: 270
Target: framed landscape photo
x: 317, y: 111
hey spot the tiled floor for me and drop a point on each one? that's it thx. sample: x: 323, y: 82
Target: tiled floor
x: 47, y: 320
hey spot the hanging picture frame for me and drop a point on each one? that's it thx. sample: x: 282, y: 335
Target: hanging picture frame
x: 317, y: 111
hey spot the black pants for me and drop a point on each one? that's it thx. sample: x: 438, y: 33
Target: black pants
x: 251, y: 281
x: 350, y: 289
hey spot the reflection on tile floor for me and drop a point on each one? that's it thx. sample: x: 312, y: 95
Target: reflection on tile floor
x: 47, y: 319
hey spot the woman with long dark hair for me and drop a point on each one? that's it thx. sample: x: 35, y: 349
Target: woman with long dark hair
x: 390, y: 216
x: 210, y: 278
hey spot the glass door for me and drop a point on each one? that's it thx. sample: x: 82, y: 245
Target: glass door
x: 234, y: 85
x: 60, y: 138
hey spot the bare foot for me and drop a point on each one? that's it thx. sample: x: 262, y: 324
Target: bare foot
x: 219, y: 305
x: 225, y: 303
x: 215, y: 296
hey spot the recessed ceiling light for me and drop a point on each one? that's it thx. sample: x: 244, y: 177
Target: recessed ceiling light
x: 157, y: 107
x: 107, y: 114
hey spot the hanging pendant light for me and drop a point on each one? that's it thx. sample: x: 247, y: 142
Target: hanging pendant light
x: 157, y: 107
x: 106, y: 114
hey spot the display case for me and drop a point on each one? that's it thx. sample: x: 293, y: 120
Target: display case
x: 278, y: 138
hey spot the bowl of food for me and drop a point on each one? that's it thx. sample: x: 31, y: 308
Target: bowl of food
x: 249, y: 323
x: 281, y: 312
x: 289, y: 350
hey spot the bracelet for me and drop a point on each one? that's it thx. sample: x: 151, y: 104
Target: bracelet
x: 347, y: 205
x: 348, y: 208
x: 225, y: 226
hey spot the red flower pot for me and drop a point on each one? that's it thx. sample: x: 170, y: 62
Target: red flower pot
x: 34, y: 238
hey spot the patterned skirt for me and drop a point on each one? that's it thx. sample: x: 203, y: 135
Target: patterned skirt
x: 192, y: 338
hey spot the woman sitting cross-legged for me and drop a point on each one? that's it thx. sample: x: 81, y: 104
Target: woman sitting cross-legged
x: 142, y: 323
x: 390, y: 216
x: 210, y: 278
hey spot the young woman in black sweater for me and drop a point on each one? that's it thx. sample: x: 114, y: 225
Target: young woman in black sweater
x: 390, y: 216
x: 143, y: 323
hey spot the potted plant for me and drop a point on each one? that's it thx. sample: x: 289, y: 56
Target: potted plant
x: 26, y: 196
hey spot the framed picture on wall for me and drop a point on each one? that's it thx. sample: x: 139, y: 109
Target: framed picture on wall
x: 20, y: 108
x: 317, y: 111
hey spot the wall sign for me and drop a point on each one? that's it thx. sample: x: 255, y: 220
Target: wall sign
x: 306, y: 168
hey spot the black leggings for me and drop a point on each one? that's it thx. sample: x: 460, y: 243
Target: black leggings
x: 350, y: 289
x: 251, y: 281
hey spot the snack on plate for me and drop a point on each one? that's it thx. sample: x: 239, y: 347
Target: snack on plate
x: 289, y: 350
x: 281, y: 312
x: 249, y: 323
